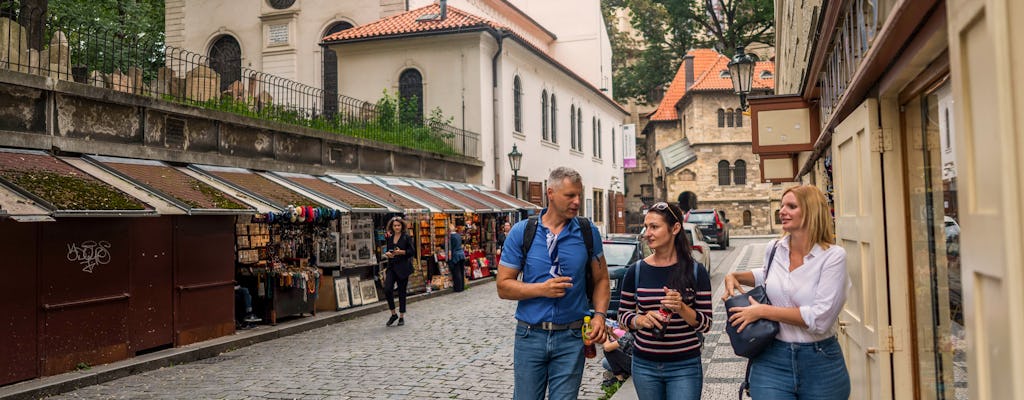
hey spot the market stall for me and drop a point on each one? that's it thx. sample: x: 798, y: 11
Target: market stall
x: 490, y: 222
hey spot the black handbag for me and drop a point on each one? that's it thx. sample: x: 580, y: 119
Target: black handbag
x: 759, y: 334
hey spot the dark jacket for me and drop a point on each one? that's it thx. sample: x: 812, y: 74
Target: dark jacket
x: 455, y: 247
x: 402, y: 265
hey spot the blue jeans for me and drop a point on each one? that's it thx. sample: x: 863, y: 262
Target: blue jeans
x: 682, y: 380
x: 800, y: 371
x: 549, y: 361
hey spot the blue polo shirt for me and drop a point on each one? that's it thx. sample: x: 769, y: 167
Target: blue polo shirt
x: 572, y: 256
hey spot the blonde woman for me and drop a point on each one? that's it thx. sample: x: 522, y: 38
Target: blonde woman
x: 807, y: 287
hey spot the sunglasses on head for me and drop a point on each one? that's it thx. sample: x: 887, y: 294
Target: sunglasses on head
x: 662, y: 206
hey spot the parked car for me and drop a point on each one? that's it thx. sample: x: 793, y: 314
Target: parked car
x: 701, y: 250
x: 621, y: 251
x: 713, y: 225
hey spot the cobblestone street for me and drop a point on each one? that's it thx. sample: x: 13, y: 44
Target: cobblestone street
x: 453, y: 346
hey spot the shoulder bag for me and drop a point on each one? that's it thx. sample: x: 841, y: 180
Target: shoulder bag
x: 759, y: 334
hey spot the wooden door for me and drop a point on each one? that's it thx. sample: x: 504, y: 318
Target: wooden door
x: 620, y: 212
x: 986, y: 43
x: 860, y: 216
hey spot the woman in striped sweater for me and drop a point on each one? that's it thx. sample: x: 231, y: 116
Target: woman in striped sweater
x: 669, y: 307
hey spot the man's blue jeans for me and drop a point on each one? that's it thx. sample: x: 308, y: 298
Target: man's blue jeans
x: 682, y: 380
x: 800, y: 371
x: 547, y: 361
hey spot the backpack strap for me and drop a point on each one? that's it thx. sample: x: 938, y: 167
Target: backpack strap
x: 588, y: 240
x: 528, y: 233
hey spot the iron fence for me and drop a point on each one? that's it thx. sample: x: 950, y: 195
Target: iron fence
x: 147, y: 67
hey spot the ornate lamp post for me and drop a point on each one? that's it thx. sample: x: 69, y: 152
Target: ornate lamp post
x: 741, y: 70
x: 515, y: 158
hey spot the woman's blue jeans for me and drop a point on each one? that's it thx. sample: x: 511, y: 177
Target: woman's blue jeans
x: 677, y: 380
x: 549, y: 361
x: 802, y: 371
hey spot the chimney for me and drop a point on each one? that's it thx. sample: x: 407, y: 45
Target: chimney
x: 688, y: 64
x: 444, y: 10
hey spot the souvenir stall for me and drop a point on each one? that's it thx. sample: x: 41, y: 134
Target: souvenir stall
x: 417, y: 214
x: 277, y: 252
x: 490, y: 215
x: 349, y: 255
x: 446, y: 212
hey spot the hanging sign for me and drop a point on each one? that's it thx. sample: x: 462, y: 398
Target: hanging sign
x: 629, y: 146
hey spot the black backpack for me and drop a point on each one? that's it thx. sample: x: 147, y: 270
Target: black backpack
x: 588, y: 240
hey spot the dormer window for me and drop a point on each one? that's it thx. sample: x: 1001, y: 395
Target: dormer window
x: 724, y: 74
x: 766, y: 74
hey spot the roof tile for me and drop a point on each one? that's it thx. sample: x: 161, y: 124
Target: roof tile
x: 707, y: 67
x: 407, y: 22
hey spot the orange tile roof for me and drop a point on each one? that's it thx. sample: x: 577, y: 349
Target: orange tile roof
x: 702, y: 60
x: 712, y: 79
x: 406, y: 23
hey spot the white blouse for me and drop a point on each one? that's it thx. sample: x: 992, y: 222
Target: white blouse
x: 817, y: 288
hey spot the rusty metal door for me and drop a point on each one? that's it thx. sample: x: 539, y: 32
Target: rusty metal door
x: 150, y: 310
x: 204, y: 278
x: 83, y: 292
x: 19, y: 338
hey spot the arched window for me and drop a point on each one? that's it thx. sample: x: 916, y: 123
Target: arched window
x: 747, y: 217
x: 688, y: 175
x: 226, y: 59
x: 517, y: 101
x: 728, y: 118
x: 778, y: 217
x: 554, y: 120
x: 572, y: 126
x: 544, y: 114
x: 739, y: 118
x: 723, y: 173
x: 330, y: 73
x: 721, y: 118
x: 410, y: 93
x: 739, y: 172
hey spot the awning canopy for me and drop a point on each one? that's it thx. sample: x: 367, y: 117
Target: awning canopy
x: 327, y: 187
x: 263, y: 188
x: 383, y: 193
x: 423, y: 195
x: 170, y: 184
x: 677, y: 155
x: 466, y: 193
x: 20, y: 208
x: 63, y: 189
x: 507, y: 199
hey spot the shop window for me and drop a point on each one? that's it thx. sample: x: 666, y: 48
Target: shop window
x: 747, y: 217
x: 721, y: 118
x: 554, y: 120
x: 517, y: 101
x: 544, y: 115
x: 226, y: 59
x: 723, y: 173
x: 739, y: 172
x: 410, y: 92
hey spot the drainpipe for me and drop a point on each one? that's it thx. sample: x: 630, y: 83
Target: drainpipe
x: 495, y: 109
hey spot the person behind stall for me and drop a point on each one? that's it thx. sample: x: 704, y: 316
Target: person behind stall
x: 244, y: 318
x: 456, y: 259
x: 618, y: 357
x: 399, y: 254
x: 501, y: 242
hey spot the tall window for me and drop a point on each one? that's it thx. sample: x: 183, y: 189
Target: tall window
x: 721, y: 118
x: 600, y: 140
x: 739, y: 172
x: 544, y: 114
x: 554, y: 120
x: 728, y: 118
x: 598, y: 206
x: 747, y: 217
x: 330, y: 73
x: 739, y: 118
x: 410, y: 93
x: 593, y: 135
x: 723, y: 173
x: 226, y: 59
x: 517, y: 101
x: 615, y: 156
x: 579, y: 129
x: 572, y: 126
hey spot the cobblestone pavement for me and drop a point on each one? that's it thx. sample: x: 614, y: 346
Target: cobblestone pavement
x: 456, y: 346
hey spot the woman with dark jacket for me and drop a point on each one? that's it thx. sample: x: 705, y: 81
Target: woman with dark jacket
x: 399, y: 254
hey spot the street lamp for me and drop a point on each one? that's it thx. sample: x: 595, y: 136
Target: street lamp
x: 515, y: 158
x: 741, y: 70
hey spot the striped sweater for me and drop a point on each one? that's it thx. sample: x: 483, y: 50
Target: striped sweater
x: 681, y: 341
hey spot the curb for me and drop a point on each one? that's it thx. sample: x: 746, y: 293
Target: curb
x: 66, y: 382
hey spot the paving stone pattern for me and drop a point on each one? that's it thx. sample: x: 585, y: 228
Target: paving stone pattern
x: 456, y: 346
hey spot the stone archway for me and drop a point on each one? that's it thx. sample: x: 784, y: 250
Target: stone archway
x: 687, y: 201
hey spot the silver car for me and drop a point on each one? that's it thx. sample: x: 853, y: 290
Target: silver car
x: 701, y: 250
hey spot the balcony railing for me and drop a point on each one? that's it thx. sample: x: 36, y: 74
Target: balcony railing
x: 144, y: 67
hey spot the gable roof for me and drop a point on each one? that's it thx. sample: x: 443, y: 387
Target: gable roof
x: 707, y: 67
x: 457, y: 21
x: 702, y: 60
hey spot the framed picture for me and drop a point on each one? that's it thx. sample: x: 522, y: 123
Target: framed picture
x: 368, y: 288
x: 341, y: 292
x: 327, y: 251
x: 357, y: 294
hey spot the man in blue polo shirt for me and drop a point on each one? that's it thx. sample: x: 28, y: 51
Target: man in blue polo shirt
x: 552, y: 296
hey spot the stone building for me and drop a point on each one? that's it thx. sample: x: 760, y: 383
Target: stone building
x: 698, y: 145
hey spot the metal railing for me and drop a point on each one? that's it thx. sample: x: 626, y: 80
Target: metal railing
x: 112, y: 60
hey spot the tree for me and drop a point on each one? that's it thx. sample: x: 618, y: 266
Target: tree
x: 669, y: 28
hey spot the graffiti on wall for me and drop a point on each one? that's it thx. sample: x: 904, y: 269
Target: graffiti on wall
x: 89, y: 253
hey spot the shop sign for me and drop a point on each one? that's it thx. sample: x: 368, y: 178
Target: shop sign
x: 89, y: 253
x: 855, y: 35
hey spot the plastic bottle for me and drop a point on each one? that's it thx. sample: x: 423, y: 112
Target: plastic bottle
x: 660, y: 332
x: 589, y: 350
